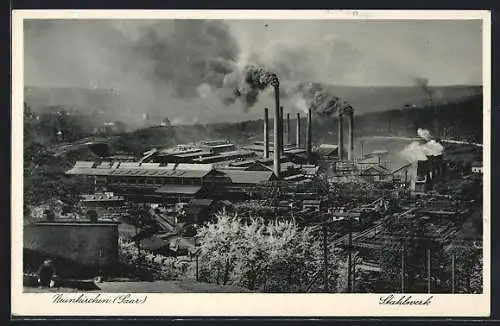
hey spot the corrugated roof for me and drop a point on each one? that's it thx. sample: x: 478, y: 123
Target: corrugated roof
x: 176, y: 151
x: 88, y: 171
x: 242, y: 163
x: 145, y: 169
x: 376, y: 169
x: 148, y: 165
x: 104, y: 165
x: 194, y: 154
x: 260, y: 148
x: 179, y: 189
x: 237, y: 153
x: 219, y: 145
x: 189, y: 166
x: 84, y: 164
x: 327, y: 149
x: 248, y: 177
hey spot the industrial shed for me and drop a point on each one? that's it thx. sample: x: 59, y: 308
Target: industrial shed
x: 328, y: 151
x: 170, y: 181
x: 376, y: 173
x: 248, y: 177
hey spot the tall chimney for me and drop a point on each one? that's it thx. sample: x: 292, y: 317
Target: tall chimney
x: 350, y: 149
x: 266, y: 133
x: 309, y: 135
x: 297, y: 133
x: 281, y: 130
x: 288, y: 141
x: 341, y: 136
x: 276, y: 131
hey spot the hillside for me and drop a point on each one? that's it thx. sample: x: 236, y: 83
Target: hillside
x: 111, y: 105
x: 459, y: 121
x: 376, y: 99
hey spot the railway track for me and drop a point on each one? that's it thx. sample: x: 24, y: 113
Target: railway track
x: 372, y: 230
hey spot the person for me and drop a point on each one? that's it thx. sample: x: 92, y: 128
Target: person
x: 47, y: 274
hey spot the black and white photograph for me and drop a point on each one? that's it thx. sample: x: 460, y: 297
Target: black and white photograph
x: 253, y: 156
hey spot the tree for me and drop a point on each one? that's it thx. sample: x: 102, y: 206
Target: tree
x: 272, y: 257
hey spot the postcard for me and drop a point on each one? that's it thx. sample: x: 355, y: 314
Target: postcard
x: 251, y: 163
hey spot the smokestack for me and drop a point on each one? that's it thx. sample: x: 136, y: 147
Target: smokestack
x: 341, y: 136
x: 297, y: 134
x: 281, y: 130
x: 350, y: 148
x: 309, y: 135
x: 288, y: 141
x: 266, y: 133
x: 277, y: 151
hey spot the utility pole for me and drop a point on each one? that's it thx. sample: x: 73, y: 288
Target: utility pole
x: 453, y: 272
x: 403, y: 249
x: 349, y: 258
x: 353, y: 286
x: 197, y: 255
x: 137, y: 242
x: 428, y: 270
x: 197, y: 266
x: 325, y: 258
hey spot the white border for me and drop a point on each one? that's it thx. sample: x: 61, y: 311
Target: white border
x: 188, y: 304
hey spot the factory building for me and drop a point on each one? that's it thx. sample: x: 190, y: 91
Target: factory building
x: 152, y: 182
x: 376, y: 173
x: 328, y: 151
x: 148, y: 180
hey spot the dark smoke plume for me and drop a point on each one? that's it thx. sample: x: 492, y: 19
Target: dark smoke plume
x: 248, y: 84
x: 347, y: 108
x: 318, y: 99
x: 260, y: 78
x: 187, y: 53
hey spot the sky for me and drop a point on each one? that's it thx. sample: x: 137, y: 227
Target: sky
x: 197, y: 64
x: 444, y: 52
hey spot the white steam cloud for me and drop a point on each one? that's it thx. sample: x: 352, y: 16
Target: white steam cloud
x: 424, y: 133
x: 419, y: 150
